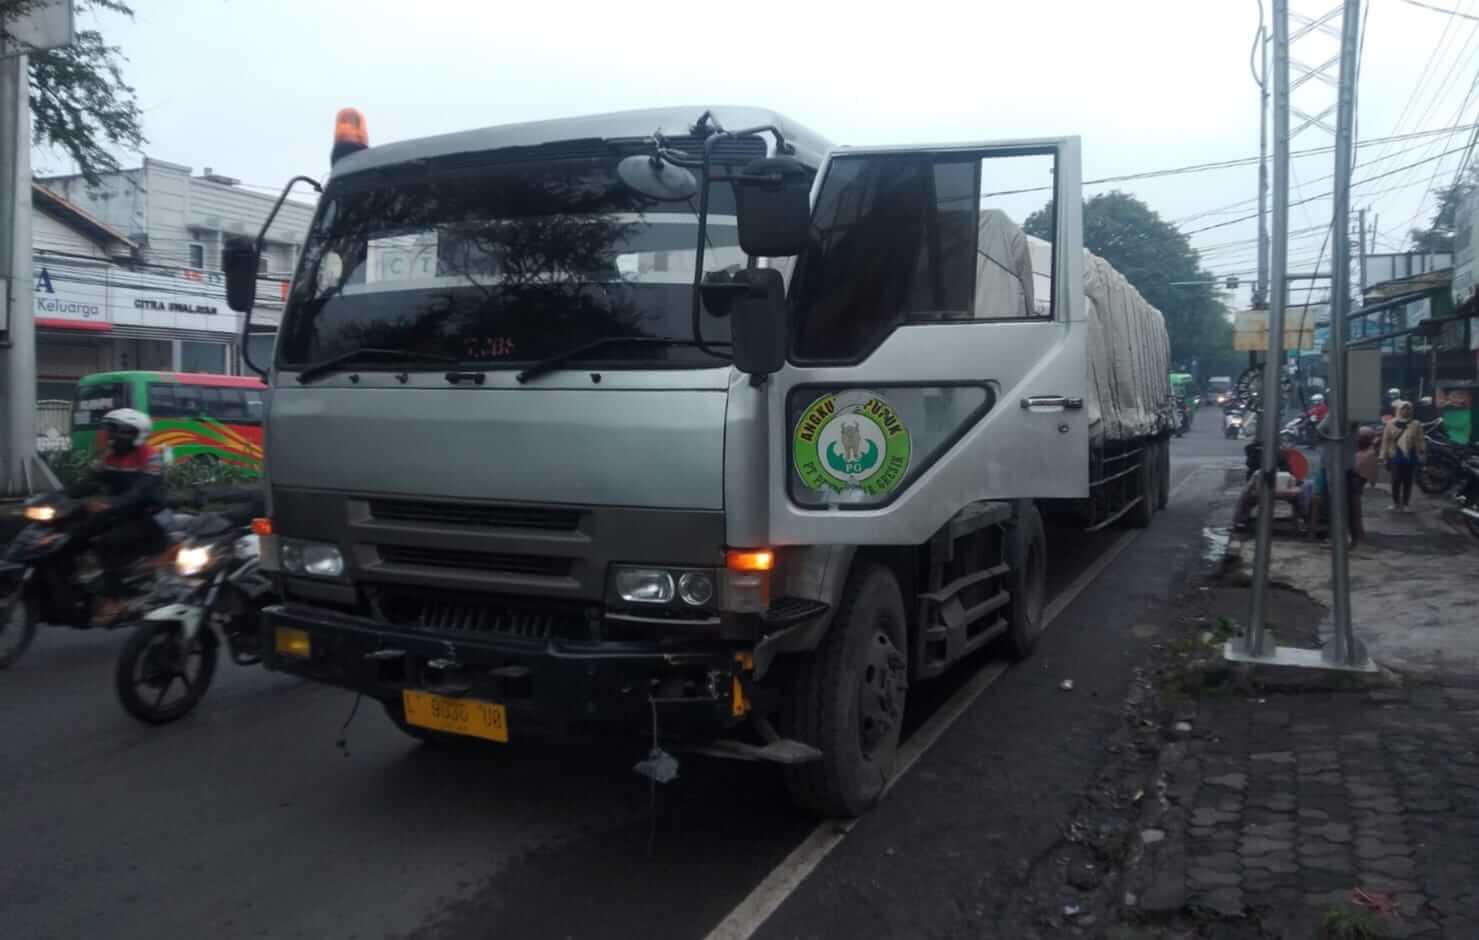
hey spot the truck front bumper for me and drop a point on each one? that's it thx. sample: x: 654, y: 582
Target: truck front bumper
x: 548, y: 686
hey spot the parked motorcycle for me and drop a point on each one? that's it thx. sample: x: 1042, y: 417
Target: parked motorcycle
x: 1468, y: 495
x: 1299, y: 431
x: 217, y: 591
x: 1444, y: 464
x: 47, y: 575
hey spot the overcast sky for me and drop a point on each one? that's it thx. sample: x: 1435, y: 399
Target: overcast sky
x: 250, y: 87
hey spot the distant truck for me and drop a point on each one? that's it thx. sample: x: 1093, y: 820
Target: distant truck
x: 689, y: 422
x: 1219, y: 390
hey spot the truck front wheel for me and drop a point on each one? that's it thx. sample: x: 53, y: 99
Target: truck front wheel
x: 1027, y: 555
x: 847, y: 698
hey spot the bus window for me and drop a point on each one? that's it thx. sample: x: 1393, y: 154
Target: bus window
x: 187, y: 400
x: 255, y: 407
x: 232, y: 408
x: 95, y: 400
x: 210, y: 401
x: 163, y: 403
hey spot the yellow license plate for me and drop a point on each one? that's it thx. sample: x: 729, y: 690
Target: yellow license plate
x: 487, y: 720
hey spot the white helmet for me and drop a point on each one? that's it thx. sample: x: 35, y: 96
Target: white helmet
x: 1394, y: 393
x: 127, y: 419
x: 1317, y: 398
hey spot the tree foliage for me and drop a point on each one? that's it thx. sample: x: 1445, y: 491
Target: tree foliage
x: 1439, y: 234
x: 80, y: 102
x: 1153, y: 255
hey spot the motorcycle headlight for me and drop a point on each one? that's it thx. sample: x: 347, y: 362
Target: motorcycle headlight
x: 314, y: 558
x: 40, y: 513
x: 192, y: 560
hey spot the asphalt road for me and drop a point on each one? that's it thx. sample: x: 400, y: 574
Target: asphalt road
x: 248, y: 820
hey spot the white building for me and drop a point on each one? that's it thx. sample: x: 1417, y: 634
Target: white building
x: 128, y: 272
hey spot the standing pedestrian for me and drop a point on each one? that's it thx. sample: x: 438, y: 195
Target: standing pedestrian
x: 1403, y: 447
x: 1362, y: 475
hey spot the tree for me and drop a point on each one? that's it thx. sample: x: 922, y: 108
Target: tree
x: 1154, y: 256
x: 80, y: 102
x: 1439, y: 235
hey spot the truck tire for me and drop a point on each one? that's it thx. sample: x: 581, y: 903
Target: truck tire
x: 847, y: 698
x: 1163, y: 474
x: 1147, y: 489
x: 1027, y: 556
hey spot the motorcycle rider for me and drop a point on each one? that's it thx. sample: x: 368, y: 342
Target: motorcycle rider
x: 125, y: 490
x: 1318, y: 408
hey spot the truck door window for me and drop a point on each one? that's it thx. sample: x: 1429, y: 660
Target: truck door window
x: 921, y: 238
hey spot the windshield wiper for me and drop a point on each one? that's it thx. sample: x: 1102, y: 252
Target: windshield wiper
x: 334, y: 363
x: 554, y: 362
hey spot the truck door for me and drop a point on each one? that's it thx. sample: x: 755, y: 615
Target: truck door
x: 937, y: 342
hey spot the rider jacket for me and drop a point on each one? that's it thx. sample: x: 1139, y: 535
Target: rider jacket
x: 131, y: 482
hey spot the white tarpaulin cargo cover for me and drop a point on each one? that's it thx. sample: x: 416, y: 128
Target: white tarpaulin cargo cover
x: 1129, y: 351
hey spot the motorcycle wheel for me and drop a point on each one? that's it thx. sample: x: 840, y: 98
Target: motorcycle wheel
x: 153, y: 663
x: 17, y: 627
x: 1436, y: 477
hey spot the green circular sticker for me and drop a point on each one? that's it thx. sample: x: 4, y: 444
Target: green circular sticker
x: 852, y: 440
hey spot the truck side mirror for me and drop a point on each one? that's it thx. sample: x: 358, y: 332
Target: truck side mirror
x: 757, y: 324
x: 773, y: 205
x: 239, y: 263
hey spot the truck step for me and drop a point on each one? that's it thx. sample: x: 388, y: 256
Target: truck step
x: 779, y: 751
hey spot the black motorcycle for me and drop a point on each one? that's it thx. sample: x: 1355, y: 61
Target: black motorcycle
x: 1468, y: 495
x: 1444, y: 464
x: 217, y: 590
x: 48, y: 574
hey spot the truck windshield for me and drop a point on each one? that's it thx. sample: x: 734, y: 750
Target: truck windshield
x: 502, y: 264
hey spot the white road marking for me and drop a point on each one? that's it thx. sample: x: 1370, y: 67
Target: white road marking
x: 746, y: 918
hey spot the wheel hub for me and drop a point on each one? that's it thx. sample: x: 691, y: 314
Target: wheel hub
x: 881, y: 692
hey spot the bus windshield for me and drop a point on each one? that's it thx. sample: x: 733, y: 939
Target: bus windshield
x: 502, y: 264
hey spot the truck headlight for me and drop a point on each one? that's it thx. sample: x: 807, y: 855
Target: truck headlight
x: 696, y: 588
x: 192, y: 560
x: 680, y: 588
x: 319, y: 559
x: 644, y: 585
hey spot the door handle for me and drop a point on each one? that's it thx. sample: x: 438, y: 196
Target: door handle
x: 1053, y: 401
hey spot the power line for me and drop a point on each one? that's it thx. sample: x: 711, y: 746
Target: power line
x: 1327, y: 195
x: 1425, y: 6
x: 1230, y: 164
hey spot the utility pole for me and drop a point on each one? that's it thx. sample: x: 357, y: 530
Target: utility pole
x: 1268, y: 421
x: 45, y: 24
x: 18, y: 341
x: 1260, y: 292
x: 1361, y: 247
x: 1344, y: 650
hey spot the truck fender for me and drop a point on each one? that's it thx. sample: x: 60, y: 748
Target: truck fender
x: 187, y: 615
x: 818, y: 573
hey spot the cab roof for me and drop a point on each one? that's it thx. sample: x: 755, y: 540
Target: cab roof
x: 619, y: 125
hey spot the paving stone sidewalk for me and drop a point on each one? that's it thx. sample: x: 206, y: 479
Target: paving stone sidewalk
x: 1278, y: 809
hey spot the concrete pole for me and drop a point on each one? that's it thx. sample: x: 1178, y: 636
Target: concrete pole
x: 1361, y: 262
x: 18, y: 345
x: 1343, y: 649
x: 1260, y: 295
x: 1269, y: 420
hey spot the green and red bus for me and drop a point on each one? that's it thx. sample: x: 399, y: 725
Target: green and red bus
x: 196, y: 416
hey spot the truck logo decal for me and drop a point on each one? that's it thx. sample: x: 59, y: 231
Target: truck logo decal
x: 852, y: 440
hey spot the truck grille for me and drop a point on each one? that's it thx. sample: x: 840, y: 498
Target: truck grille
x: 473, y: 514
x: 461, y: 614
x: 539, y: 566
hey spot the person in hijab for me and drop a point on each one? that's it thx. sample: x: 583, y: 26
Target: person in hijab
x: 1403, y: 447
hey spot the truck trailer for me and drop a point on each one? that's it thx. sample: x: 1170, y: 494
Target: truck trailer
x: 687, y: 418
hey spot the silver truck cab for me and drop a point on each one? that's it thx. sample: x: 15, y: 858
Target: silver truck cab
x: 517, y: 482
